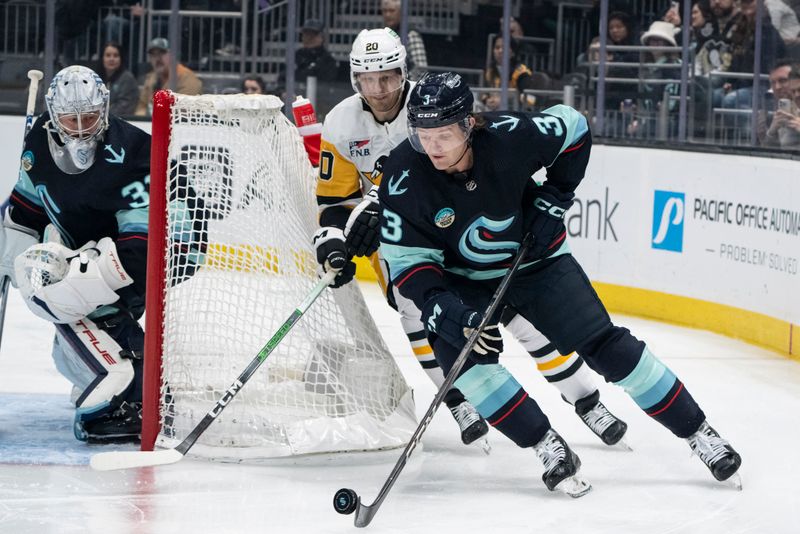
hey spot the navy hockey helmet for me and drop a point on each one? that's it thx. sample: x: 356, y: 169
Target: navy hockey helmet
x: 439, y: 99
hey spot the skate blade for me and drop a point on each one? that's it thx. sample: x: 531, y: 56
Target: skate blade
x: 485, y: 446
x: 735, y: 481
x: 622, y: 445
x: 574, y: 486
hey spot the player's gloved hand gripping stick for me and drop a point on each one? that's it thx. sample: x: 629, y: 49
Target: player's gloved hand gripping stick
x: 347, y: 501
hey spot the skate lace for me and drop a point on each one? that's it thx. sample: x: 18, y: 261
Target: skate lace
x: 465, y: 415
x: 707, y: 444
x: 551, y: 451
x: 598, y: 418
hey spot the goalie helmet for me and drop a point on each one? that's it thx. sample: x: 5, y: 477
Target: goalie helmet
x: 378, y: 50
x: 438, y: 100
x: 78, y: 103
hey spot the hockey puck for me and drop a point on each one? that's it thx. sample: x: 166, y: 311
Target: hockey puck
x: 345, y: 501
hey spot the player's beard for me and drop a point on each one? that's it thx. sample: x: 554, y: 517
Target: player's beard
x: 394, y: 104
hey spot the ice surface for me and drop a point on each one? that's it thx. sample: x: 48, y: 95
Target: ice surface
x: 751, y: 396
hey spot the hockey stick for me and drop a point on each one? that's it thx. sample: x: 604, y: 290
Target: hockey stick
x: 33, y: 89
x: 347, y: 501
x: 108, y: 461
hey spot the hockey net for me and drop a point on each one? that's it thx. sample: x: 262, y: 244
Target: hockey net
x: 232, y: 214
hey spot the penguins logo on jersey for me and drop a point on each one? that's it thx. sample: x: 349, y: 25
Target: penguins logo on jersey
x: 377, y: 171
x: 477, y: 242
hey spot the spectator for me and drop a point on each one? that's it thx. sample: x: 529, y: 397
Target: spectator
x: 520, y: 75
x: 416, y: 59
x: 784, y: 131
x: 122, y: 86
x: 784, y: 20
x: 738, y: 93
x: 621, y: 32
x: 254, y: 85
x: 705, y: 29
x: 160, y: 58
x: 312, y: 59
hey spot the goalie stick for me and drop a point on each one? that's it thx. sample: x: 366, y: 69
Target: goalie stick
x: 33, y: 89
x: 108, y: 461
x: 347, y: 501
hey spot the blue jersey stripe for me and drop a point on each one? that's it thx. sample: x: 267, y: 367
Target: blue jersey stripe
x: 401, y: 258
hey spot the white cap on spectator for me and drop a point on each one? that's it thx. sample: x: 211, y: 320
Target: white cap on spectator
x: 662, y: 30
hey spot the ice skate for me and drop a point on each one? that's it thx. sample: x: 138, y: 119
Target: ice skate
x: 473, y: 427
x: 561, y: 466
x: 124, y: 425
x: 718, y: 455
x: 600, y: 421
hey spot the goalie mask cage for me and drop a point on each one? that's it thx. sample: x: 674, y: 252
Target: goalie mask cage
x: 232, y: 214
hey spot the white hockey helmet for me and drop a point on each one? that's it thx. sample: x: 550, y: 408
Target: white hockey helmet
x: 378, y: 50
x: 78, y: 103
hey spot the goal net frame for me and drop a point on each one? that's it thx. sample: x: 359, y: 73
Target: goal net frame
x: 395, y: 422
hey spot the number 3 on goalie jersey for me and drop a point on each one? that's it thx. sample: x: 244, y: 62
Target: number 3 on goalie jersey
x: 391, y: 230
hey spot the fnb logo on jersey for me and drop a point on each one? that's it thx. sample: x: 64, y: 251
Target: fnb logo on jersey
x: 359, y: 148
x: 668, y: 217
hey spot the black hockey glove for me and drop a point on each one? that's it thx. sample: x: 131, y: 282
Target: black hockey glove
x: 332, y: 254
x: 446, y: 316
x: 546, y: 221
x: 363, y: 230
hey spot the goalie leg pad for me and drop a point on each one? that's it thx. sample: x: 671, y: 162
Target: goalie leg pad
x: 105, y: 372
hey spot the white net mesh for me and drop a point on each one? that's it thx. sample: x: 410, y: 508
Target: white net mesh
x: 241, y: 214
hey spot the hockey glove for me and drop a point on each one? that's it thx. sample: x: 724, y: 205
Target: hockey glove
x: 363, y: 230
x: 332, y: 254
x: 489, y: 345
x: 547, y: 221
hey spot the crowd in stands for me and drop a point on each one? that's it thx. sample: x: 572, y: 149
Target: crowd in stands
x: 642, y: 84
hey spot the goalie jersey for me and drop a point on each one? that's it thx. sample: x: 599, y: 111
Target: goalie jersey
x: 109, y: 199
x: 471, y: 224
x: 353, y: 149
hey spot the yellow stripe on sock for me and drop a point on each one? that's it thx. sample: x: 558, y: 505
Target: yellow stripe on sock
x: 421, y: 351
x: 555, y: 362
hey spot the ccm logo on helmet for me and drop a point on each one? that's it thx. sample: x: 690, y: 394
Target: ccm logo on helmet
x: 427, y: 115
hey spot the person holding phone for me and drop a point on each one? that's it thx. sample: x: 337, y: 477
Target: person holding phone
x: 784, y: 131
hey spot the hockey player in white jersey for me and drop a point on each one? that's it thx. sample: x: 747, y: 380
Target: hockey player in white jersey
x: 357, y: 137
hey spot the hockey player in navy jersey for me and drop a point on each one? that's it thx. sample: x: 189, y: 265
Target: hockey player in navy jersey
x: 74, y: 240
x: 357, y: 136
x: 457, y: 199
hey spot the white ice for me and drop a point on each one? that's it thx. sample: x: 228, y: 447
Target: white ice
x: 752, y: 396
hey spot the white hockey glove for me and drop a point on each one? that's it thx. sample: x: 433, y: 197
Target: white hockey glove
x: 332, y: 254
x: 62, y: 285
x: 363, y: 228
x: 14, y: 240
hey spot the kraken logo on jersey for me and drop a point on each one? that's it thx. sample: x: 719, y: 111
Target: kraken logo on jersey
x: 511, y: 121
x: 476, y: 243
x: 27, y: 160
x: 394, y: 184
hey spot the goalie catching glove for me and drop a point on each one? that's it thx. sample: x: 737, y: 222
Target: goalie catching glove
x: 63, y: 285
x: 546, y: 221
x: 332, y: 254
x: 364, y: 226
x: 446, y: 316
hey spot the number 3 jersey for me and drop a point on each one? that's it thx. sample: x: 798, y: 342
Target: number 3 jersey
x: 471, y: 224
x: 353, y: 149
x: 109, y: 199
